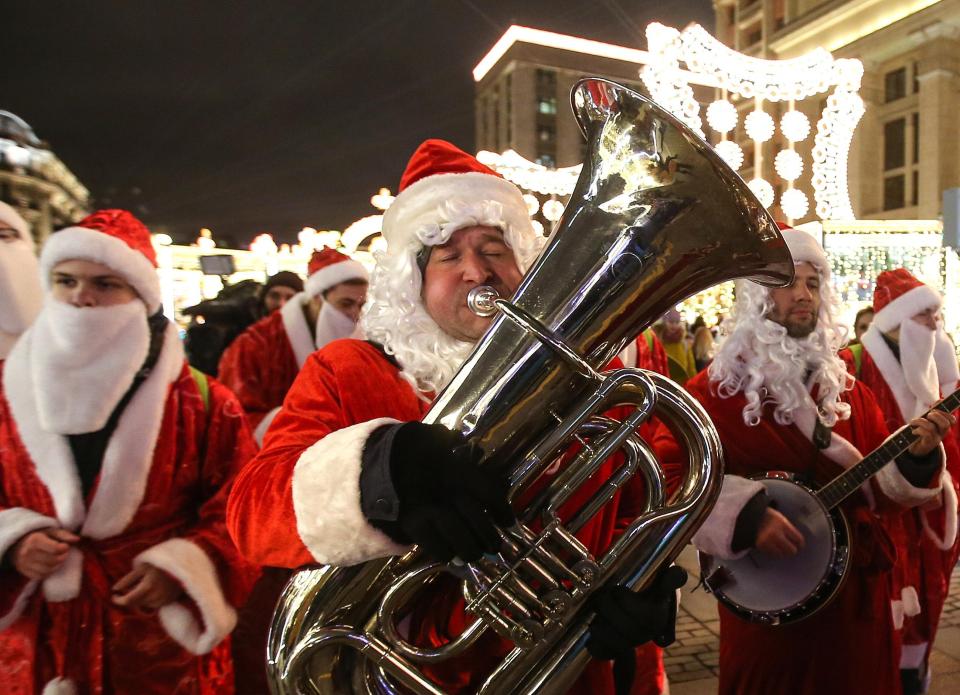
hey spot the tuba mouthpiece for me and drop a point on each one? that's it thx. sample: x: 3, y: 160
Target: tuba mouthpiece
x: 482, y: 300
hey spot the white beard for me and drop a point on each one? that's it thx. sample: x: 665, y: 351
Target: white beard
x: 333, y: 324
x: 917, y: 343
x: 945, y: 355
x: 83, y: 362
x: 20, y: 292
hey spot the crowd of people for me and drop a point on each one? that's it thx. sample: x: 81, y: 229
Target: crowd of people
x: 151, y: 513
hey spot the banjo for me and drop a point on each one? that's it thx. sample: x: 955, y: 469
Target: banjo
x: 770, y: 590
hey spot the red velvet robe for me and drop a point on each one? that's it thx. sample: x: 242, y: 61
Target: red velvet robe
x: 848, y: 646
x: 924, y: 565
x: 298, y: 502
x: 259, y: 366
x: 160, y: 498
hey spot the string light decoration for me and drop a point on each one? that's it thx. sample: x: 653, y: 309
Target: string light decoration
x: 759, y: 126
x: 533, y: 204
x: 679, y: 59
x: 789, y: 165
x: 552, y: 210
x: 795, y: 126
x: 722, y: 116
x: 794, y: 203
x: 530, y: 175
x: 731, y: 153
x: 763, y: 190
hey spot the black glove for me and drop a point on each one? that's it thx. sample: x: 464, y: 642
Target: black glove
x: 625, y: 619
x: 449, y: 506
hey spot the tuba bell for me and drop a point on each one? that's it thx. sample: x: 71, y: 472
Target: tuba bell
x: 655, y: 217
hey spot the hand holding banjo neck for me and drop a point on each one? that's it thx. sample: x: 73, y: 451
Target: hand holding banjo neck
x: 768, y: 590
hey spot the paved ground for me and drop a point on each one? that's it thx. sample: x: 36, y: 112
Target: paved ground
x: 692, y: 660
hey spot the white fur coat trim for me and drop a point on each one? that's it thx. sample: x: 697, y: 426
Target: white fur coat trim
x: 899, y: 489
x: 192, y: 567
x: 126, y: 462
x: 949, y: 537
x: 716, y: 534
x: 264, y: 425
x: 892, y: 372
x: 60, y: 686
x: 907, y: 606
x: 295, y: 324
x: 326, y: 500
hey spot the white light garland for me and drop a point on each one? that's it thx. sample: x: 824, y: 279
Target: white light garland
x: 722, y: 116
x: 530, y: 175
x: 794, y: 203
x: 533, y: 204
x: 552, y: 210
x: 799, y: 78
x: 789, y: 165
x: 731, y: 153
x: 759, y: 126
x: 763, y: 190
x: 795, y: 126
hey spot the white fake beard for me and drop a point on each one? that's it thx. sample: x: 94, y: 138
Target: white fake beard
x: 333, y: 324
x: 916, y: 358
x: 945, y: 355
x: 83, y: 361
x: 20, y: 294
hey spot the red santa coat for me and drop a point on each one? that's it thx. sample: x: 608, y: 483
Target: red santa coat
x: 298, y: 502
x: 160, y: 499
x: 849, y: 646
x: 261, y: 364
x: 926, y: 540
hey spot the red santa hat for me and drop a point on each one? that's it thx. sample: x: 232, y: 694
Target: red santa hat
x: 114, y: 238
x: 899, y: 296
x: 445, y: 189
x: 804, y: 248
x: 12, y: 219
x: 329, y: 267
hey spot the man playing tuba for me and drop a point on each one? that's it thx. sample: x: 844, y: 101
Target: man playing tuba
x: 348, y: 473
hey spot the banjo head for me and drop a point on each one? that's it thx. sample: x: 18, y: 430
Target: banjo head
x: 765, y: 589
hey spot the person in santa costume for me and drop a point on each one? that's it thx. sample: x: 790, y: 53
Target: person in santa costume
x: 118, y: 575
x: 347, y: 472
x: 261, y: 364
x: 909, y: 362
x: 781, y: 399
x: 20, y: 293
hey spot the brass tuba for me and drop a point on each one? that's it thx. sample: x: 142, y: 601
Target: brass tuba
x: 656, y: 216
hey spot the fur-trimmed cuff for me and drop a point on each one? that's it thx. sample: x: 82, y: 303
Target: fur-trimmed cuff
x: 326, y: 500
x: 949, y: 537
x: 64, y: 584
x: 897, y: 488
x: 716, y: 533
x: 60, y: 686
x: 264, y: 425
x: 17, y: 522
x: 185, y: 561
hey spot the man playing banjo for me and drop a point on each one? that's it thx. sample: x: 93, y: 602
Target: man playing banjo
x: 781, y: 400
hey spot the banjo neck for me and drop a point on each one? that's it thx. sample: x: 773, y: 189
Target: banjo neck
x: 845, y: 484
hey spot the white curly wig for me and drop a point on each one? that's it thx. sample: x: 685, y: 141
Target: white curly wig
x: 772, y: 368
x: 427, y: 213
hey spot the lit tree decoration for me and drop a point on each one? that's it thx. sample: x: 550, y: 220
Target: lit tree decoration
x: 763, y: 190
x: 789, y: 165
x: 794, y: 203
x: 731, y: 153
x: 795, y: 126
x: 759, y: 126
x: 722, y: 116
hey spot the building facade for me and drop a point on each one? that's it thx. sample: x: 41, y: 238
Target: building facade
x: 35, y: 182
x: 906, y: 150
x: 522, y: 92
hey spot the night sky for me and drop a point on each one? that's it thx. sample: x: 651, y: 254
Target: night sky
x: 267, y: 116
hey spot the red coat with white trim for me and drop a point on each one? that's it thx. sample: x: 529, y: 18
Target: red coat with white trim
x: 160, y: 498
x: 849, y: 646
x: 926, y: 540
x: 259, y: 366
x: 298, y: 502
